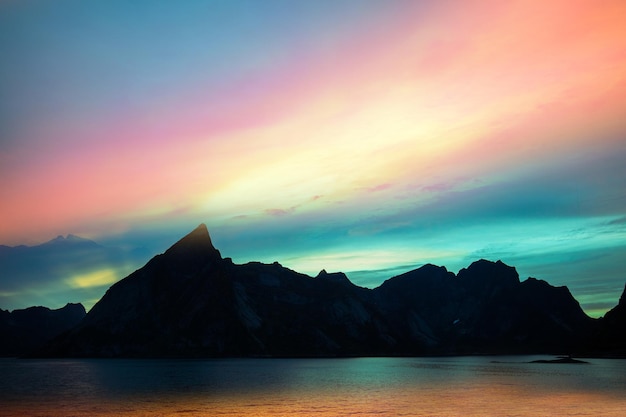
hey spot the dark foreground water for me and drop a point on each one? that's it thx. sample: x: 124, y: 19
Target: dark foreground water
x: 457, y: 386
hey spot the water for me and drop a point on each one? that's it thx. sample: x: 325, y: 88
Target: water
x: 455, y: 386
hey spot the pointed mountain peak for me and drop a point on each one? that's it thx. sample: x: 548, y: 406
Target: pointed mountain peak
x: 60, y: 239
x: 200, y: 232
x: 337, y: 277
x: 196, y: 243
x: 69, y: 240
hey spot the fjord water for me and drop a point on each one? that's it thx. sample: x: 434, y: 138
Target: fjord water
x: 449, y: 386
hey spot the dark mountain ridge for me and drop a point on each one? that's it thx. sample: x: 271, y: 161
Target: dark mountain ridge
x: 189, y: 301
x: 27, y: 329
x: 610, y: 337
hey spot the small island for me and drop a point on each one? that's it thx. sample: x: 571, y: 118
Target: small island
x: 561, y: 359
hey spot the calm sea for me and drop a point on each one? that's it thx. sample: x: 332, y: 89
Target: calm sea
x: 455, y: 386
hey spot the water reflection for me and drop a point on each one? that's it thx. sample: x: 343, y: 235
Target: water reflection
x: 321, y: 387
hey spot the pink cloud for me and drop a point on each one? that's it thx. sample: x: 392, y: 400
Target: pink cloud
x: 380, y: 187
x: 280, y: 212
x: 439, y: 187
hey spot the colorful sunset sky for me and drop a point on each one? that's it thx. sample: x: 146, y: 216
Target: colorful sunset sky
x: 369, y: 137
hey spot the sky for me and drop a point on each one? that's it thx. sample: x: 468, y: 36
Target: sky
x: 369, y: 137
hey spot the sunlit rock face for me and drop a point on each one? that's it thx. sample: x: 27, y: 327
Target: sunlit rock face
x: 189, y: 301
x: 28, y: 329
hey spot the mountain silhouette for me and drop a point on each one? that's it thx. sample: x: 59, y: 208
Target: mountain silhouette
x: 189, y: 301
x: 53, y: 262
x: 610, y: 337
x: 28, y: 329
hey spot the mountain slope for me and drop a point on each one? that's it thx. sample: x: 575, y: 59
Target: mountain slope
x: 610, y: 339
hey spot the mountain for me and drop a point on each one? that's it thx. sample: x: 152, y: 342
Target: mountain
x: 57, y: 261
x: 610, y: 338
x: 189, y: 301
x: 484, y: 309
x: 28, y: 329
x: 69, y: 240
